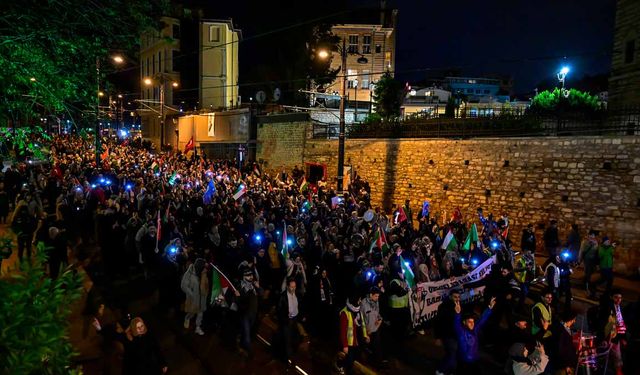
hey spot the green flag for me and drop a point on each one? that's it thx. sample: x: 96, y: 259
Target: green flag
x: 409, y: 277
x: 472, y: 236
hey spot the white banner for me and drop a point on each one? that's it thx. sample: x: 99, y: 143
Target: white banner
x: 211, y: 124
x: 424, y: 301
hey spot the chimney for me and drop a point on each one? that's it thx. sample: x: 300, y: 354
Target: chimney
x: 383, y: 10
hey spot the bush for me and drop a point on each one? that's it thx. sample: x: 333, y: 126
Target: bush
x: 572, y: 100
x: 34, y: 319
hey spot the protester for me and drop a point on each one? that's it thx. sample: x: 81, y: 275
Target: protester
x: 195, y: 285
x: 467, y: 332
x: 541, y: 317
x: 352, y: 326
x: 612, y: 319
x: 142, y: 354
x: 522, y: 363
x: 589, y: 257
x: 373, y: 321
x: 605, y: 254
x: 564, y: 358
x: 445, y: 332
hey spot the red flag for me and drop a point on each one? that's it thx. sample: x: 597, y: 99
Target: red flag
x: 457, y: 215
x: 105, y: 153
x: 400, y: 216
x: 190, y: 145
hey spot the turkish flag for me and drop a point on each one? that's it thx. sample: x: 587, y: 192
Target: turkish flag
x: 190, y: 145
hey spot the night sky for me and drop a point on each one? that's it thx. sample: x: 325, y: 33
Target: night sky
x: 523, y: 39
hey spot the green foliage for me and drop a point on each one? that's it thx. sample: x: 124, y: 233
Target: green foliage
x: 25, y: 140
x: 373, y: 118
x: 56, y: 43
x: 554, y: 101
x: 319, y: 70
x: 387, y: 97
x: 34, y: 319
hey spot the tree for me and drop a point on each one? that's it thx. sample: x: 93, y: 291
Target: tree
x: 48, y: 51
x: 319, y: 70
x: 387, y: 97
x: 34, y: 319
x: 571, y: 100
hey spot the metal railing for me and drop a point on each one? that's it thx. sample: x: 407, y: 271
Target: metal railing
x: 611, y: 122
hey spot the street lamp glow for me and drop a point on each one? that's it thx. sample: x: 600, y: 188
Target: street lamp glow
x: 323, y: 54
x: 100, y: 93
x: 174, y: 84
x: 32, y: 79
x: 147, y: 81
x: 564, y: 70
x: 119, y: 96
x: 118, y: 59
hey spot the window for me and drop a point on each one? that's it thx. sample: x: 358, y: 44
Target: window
x: 486, y: 91
x: 470, y: 91
x: 214, y: 34
x: 387, y: 59
x: 147, y: 67
x: 378, y: 48
x: 176, y: 31
x: 160, y: 61
x: 153, y: 67
x: 478, y: 91
x: 366, y: 44
x: 353, y: 44
x: 352, y: 77
x: 365, y: 79
x: 629, y: 51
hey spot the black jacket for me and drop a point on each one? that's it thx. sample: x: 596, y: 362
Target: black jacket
x: 563, y: 353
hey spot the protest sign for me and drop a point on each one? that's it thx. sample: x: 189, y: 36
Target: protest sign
x: 426, y: 297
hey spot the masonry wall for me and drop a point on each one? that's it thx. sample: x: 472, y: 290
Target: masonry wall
x: 591, y: 181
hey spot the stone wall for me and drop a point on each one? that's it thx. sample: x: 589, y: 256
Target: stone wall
x: 591, y: 181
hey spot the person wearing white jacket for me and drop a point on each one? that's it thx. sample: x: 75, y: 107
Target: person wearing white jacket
x: 523, y: 363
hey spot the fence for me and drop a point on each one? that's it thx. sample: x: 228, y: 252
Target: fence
x: 612, y: 122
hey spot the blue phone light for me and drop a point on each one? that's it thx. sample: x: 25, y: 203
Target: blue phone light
x: 289, y: 242
x: 474, y: 261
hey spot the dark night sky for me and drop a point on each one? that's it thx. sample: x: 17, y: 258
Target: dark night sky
x: 516, y: 37
x: 524, y: 39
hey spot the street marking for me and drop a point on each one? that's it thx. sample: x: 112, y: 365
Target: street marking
x: 264, y: 341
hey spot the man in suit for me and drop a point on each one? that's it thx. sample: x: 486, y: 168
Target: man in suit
x: 563, y: 355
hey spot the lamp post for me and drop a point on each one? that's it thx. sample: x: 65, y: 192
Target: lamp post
x: 162, y: 80
x: 562, y: 74
x: 341, y: 133
x: 117, y: 60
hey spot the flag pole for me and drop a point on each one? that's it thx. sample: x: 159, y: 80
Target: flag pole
x: 225, y: 276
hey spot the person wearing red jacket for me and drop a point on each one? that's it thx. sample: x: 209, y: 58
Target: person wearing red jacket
x: 351, y: 322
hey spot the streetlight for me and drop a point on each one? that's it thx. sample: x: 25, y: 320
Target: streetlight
x: 562, y: 74
x: 343, y: 65
x: 162, y: 80
x: 117, y: 60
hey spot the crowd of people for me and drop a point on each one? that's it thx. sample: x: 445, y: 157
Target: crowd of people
x: 233, y: 244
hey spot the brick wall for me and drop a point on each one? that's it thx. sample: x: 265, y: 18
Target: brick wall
x: 592, y: 181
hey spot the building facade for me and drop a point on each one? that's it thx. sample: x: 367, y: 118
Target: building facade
x: 192, y: 63
x: 375, y: 42
x: 624, y: 83
x: 218, y: 64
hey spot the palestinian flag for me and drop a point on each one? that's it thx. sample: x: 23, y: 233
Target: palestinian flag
x: 285, y: 245
x: 304, y: 185
x: 409, y: 277
x: 472, y: 236
x: 242, y: 188
x: 450, y: 243
x: 155, y: 167
x: 379, y: 241
x: 219, y: 285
